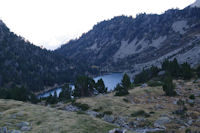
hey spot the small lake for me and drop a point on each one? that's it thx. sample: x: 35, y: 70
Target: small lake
x: 110, y: 81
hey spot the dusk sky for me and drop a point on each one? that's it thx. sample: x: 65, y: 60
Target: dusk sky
x: 51, y: 23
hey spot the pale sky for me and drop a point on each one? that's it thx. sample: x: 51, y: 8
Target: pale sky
x: 51, y: 23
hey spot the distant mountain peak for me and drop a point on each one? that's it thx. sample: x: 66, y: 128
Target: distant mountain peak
x: 1, y: 22
x: 196, y: 4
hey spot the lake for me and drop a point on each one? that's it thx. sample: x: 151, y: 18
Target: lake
x: 110, y: 81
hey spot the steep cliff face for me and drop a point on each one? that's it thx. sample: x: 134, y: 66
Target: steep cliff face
x: 126, y: 43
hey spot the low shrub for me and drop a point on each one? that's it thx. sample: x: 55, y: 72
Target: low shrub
x: 98, y: 109
x: 107, y: 113
x: 83, y: 107
x: 140, y: 113
x: 192, y: 97
x: 125, y: 100
x: 188, y: 130
x: 154, y: 83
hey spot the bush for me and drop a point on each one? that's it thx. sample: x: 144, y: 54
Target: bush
x: 154, y: 83
x: 140, y: 113
x: 125, y: 100
x: 107, y: 113
x: 98, y: 109
x: 52, y: 99
x: 188, y: 130
x: 192, y: 96
x: 182, y: 108
x: 83, y: 107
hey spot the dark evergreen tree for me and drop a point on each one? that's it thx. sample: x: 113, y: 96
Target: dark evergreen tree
x: 100, y: 86
x: 66, y: 92
x: 126, y: 82
x: 84, y: 87
x: 141, y: 77
x: 33, y: 99
x: 172, y: 67
x: 198, y: 71
x: 19, y: 93
x: 186, y: 71
x: 121, y: 91
x: 168, y: 86
x: 146, y: 75
x: 52, y: 99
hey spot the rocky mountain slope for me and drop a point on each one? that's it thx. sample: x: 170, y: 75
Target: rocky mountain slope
x: 146, y: 109
x: 130, y: 44
x: 24, y: 64
x: 196, y: 4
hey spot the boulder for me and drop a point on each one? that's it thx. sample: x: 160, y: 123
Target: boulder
x: 26, y: 128
x: 161, y: 73
x: 190, y: 101
x: 22, y: 124
x: 190, y: 122
x: 3, y: 130
x: 117, y: 130
x: 144, y: 85
x: 160, y: 122
x: 121, y: 121
x: 159, y: 106
x: 92, y: 113
x: 109, y: 118
x: 15, y: 131
x: 72, y: 108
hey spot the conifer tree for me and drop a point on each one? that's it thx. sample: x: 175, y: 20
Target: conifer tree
x: 126, y: 82
x: 100, y: 86
x: 168, y: 86
x: 121, y: 91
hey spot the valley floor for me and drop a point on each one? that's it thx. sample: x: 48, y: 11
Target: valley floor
x: 145, y: 109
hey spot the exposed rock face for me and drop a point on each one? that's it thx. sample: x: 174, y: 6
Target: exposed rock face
x: 159, y: 123
x: 126, y: 43
x: 117, y: 131
x: 72, y: 108
x: 196, y: 4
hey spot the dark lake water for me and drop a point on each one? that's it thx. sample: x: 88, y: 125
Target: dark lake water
x: 110, y: 81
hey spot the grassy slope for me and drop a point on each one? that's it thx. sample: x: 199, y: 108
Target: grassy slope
x: 46, y: 119
x: 49, y: 120
x: 148, y: 99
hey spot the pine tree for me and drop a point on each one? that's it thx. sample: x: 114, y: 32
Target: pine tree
x: 121, y: 91
x: 126, y: 82
x: 168, y: 86
x: 100, y: 86
x: 84, y: 87
x: 66, y: 92
x: 186, y: 71
x: 198, y: 71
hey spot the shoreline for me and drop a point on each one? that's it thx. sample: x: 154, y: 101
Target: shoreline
x: 56, y: 86
x: 47, y: 89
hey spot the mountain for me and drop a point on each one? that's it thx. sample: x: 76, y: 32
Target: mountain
x: 24, y: 64
x: 130, y: 44
x: 196, y: 4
